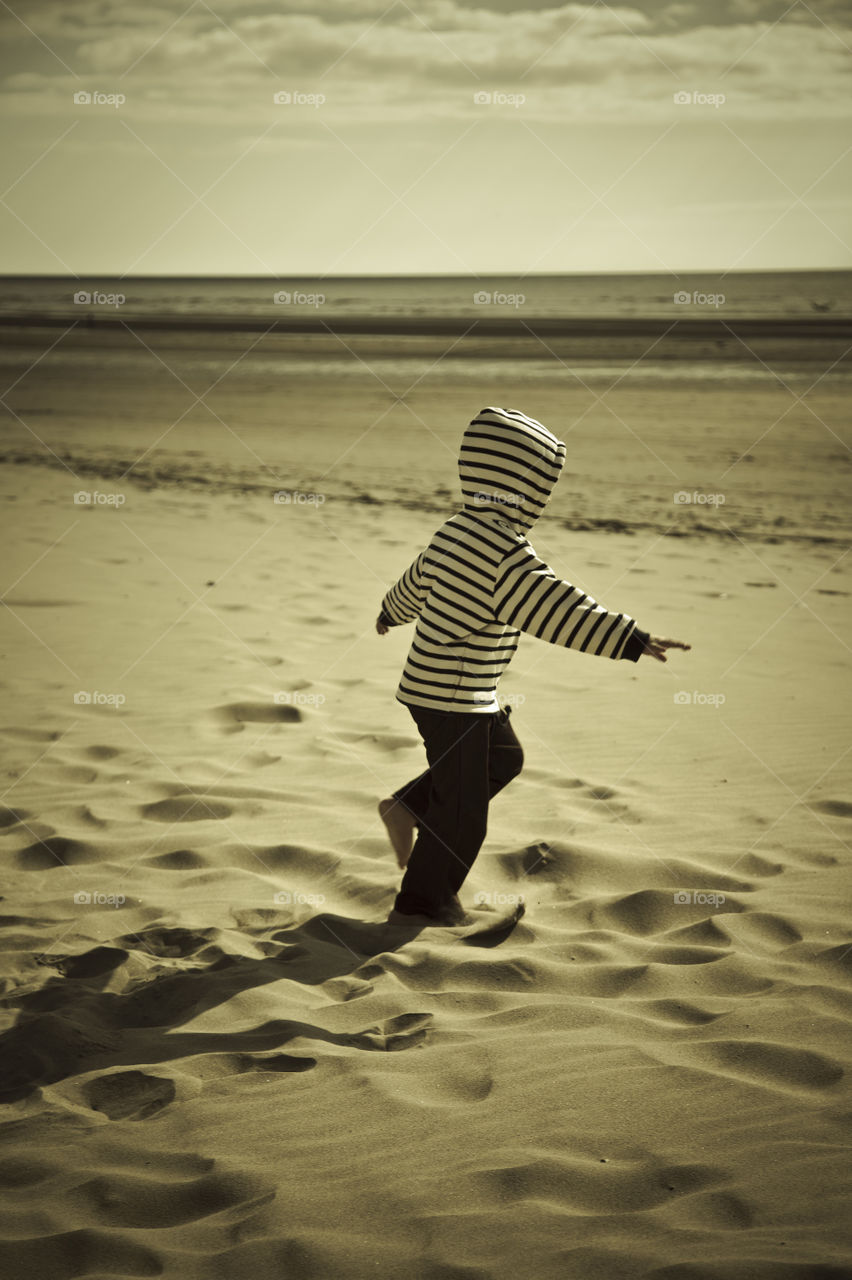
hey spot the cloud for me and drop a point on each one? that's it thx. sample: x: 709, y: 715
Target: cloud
x: 579, y: 103
x: 218, y: 66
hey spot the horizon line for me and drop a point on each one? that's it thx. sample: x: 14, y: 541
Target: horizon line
x: 417, y: 275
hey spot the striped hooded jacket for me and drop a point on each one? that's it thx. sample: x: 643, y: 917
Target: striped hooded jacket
x: 479, y: 583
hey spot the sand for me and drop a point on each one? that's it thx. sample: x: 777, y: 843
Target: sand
x: 215, y: 1059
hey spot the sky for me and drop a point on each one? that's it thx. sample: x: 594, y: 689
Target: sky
x: 452, y: 136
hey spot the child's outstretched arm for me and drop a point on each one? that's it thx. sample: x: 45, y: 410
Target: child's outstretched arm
x: 530, y: 597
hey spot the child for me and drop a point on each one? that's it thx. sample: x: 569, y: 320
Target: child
x: 476, y: 586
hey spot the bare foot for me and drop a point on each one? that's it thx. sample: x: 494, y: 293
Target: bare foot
x: 400, y: 825
x: 451, y: 914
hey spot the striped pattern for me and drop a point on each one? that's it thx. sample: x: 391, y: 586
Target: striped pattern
x: 479, y: 583
x: 509, y: 462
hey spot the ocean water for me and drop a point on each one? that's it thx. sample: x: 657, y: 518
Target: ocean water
x: 738, y: 295
x: 211, y: 302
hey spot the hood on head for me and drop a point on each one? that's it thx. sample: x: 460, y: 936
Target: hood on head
x: 510, y: 463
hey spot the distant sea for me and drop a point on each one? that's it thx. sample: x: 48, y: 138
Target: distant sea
x: 799, y: 295
x: 744, y: 326
x: 105, y: 386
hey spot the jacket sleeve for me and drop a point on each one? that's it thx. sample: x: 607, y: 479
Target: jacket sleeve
x: 405, y: 599
x: 635, y: 646
x: 529, y: 596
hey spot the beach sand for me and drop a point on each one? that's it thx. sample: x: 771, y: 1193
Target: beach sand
x: 215, y: 1059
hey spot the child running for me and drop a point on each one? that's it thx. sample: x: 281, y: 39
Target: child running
x: 473, y: 590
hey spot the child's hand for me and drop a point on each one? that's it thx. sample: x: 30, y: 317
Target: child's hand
x: 657, y: 647
x: 381, y: 628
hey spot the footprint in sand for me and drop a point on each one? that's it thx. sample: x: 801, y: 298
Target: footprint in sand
x: 840, y: 956
x: 256, y: 919
x: 18, y: 1172
x: 260, y: 759
x: 55, y: 851
x: 31, y: 735
x: 762, y: 1062
x: 177, y: 860
x: 187, y: 808
x: 768, y: 929
x: 613, y: 806
x: 836, y: 808
x: 11, y: 817
x: 239, y: 713
x: 61, y: 1254
x: 129, y: 1095
x: 56, y: 772
x: 651, y: 911
x: 349, y: 988
x: 171, y: 943
x: 464, y: 1079
x: 144, y: 1202
x: 712, y: 1211
x: 588, y: 1185
x: 705, y: 933
x: 705, y: 879
x: 24, y: 941
x: 240, y: 1064
x: 680, y: 1013
x: 539, y: 859
x: 405, y: 1031
x: 83, y: 813
x: 89, y: 964
x: 753, y: 865
x: 500, y: 975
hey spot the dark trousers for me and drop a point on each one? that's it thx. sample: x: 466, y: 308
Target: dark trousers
x: 471, y: 757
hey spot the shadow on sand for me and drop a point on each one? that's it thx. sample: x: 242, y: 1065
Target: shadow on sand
x: 72, y: 1025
